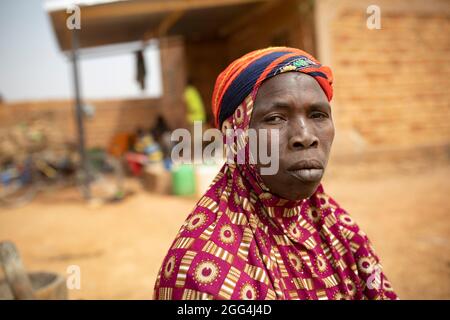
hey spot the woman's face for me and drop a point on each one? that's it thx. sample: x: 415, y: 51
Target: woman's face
x: 295, y: 104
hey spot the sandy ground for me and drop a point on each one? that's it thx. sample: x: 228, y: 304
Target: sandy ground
x: 119, y: 247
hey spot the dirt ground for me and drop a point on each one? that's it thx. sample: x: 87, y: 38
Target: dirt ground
x: 119, y: 247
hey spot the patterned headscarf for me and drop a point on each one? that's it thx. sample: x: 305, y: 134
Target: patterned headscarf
x: 243, y: 242
x: 245, y: 75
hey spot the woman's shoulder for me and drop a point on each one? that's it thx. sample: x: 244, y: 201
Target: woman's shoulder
x: 340, y: 219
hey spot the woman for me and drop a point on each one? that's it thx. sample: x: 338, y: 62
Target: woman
x: 280, y: 236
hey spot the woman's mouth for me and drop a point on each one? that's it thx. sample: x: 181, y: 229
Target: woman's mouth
x: 307, y: 175
x: 307, y: 170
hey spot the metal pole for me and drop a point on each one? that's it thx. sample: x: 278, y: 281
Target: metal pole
x: 79, y: 116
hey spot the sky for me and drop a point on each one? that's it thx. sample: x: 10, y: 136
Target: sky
x: 33, y: 68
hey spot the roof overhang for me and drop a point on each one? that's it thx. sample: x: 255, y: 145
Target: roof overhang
x: 105, y: 22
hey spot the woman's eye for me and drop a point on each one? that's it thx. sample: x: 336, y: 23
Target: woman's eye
x: 274, y: 119
x: 319, y: 115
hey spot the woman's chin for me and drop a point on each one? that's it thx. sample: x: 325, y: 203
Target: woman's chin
x: 290, y: 188
x: 303, y: 192
x: 297, y: 195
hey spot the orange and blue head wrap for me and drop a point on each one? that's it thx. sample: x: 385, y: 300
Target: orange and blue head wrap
x: 244, y: 76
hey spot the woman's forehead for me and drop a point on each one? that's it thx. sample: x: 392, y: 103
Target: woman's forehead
x: 288, y: 86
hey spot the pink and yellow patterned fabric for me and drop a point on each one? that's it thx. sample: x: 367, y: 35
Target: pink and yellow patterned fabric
x: 243, y: 242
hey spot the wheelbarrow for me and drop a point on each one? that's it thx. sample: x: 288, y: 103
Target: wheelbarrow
x: 18, y: 284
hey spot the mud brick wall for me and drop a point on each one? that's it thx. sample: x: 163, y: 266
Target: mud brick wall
x: 110, y: 117
x: 391, y: 85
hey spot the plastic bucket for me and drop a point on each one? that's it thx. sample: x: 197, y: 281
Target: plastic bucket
x: 183, y: 180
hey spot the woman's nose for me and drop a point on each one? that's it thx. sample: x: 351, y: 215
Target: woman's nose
x: 302, y: 136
